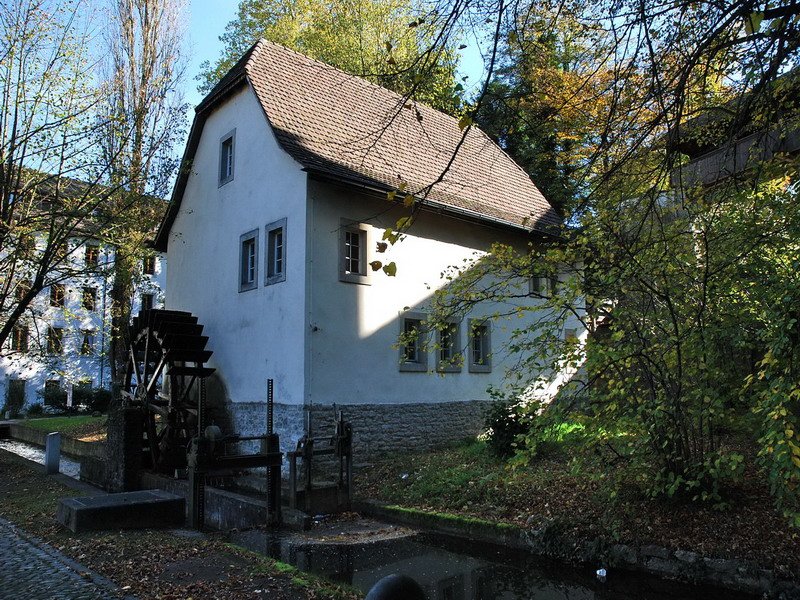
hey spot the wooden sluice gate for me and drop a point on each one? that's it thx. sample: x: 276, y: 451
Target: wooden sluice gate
x: 304, y: 493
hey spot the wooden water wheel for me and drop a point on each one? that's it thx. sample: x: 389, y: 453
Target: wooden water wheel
x: 165, y: 364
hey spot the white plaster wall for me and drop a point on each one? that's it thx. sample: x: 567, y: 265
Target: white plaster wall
x: 354, y: 328
x: 255, y: 334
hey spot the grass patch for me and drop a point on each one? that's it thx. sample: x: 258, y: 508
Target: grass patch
x: 583, y: 480
x: 72, y: 426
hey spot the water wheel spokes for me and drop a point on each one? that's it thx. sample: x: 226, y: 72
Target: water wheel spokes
x: 166, y: 361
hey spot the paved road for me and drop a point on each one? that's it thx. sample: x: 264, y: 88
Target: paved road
x: 32, y: 570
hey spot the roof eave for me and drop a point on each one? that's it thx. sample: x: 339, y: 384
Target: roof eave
x: 435, y: 206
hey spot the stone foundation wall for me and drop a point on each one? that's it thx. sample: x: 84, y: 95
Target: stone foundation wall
x: 377, y: 428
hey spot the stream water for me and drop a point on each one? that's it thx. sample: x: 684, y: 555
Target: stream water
x: 66, y: 466
x: 447, y: 568
x: 453, y: 569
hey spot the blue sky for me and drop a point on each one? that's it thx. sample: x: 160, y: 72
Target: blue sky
x: 207, y: 20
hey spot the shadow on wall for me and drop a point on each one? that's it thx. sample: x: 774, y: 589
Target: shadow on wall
x: 218, y: 405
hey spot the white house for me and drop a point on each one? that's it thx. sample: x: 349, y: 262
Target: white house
x: 63, y: 338
x: 275, y: 218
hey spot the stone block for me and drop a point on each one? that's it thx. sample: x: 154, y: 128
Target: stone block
x: 127, y: 510
x: 687, y: 557
x: 656, y: 551
x: 620, y: 554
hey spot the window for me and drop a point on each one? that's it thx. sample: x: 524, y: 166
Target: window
x: 480, y: 346
x: 57, y: 294
x: 248, y: 263
x: 89, y: 298
x: 276, y: 252
x: 147, y: 301
x: 55, y: 340
x: 541, y: 285
x: 92, y: 255
x: 448, y: 358
x: 149, y: 265
x: 53, y: 394
x: 353, y: 261
x: 413, y: 354
x: 226, y: 151
x: 87, y: 343
x: 23, y: 287
x: 19, y: 338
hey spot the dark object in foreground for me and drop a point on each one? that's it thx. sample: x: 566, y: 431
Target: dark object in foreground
x: 128, y: 510
x: 396, y: 587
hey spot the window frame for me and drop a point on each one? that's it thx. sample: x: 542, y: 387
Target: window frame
x: 149, y: 265
x: 270, y: 276
x: 88, y: 291
x: 245, y: 286
x: 421, y: 364
x: 224, y: 174
x: 20, y: 339
x: 55, y: 340
x: 90, y: 335
x: 486, y: 365
x: 455, y: 363
x: 152, y: 300
x: 56, y: 300
x: 91, y: 255
x: 363, y: 276
x: 543, y: 286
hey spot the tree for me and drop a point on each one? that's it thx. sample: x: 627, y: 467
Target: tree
x: 544, y: 101
x: 72, y: 168
x: 51, y: 177
x: 394, y: 43
x: 143, y: 117
x: 689, y: 281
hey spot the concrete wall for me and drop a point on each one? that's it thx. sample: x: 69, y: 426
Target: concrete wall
x: 259, y: 333
x: 69, y: 446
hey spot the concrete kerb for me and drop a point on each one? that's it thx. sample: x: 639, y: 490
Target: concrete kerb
x: 69, y: 446
x: 547, y: 541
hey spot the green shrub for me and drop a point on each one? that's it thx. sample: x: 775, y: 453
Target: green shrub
x: 99, y: 400
x: 15, y: 399
x: 36, y: 410
x: 505, y: 420
x: 55, y: 397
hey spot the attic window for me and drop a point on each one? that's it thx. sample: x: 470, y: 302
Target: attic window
x: 226, y: 157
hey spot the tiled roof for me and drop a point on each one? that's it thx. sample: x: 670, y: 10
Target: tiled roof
x: 339, y: 125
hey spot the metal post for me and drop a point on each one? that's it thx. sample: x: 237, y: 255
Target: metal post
x: 270, y: 404
x: 292, y: 480
x: 273, y: 474
x: 201, y: 409
x: 197, y: 498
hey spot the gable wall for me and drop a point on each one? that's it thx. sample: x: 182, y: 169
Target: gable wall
x: 258, y: 333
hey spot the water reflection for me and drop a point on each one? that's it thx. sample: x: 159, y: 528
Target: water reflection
x: 450, y: 569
